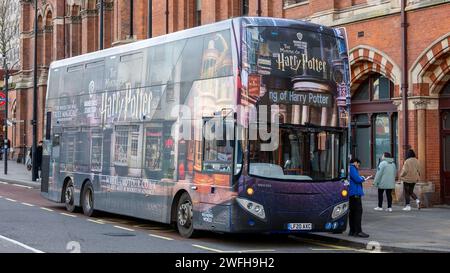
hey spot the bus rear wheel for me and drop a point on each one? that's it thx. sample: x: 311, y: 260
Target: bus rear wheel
x: 185, y: 224
x: 87, y: 199
x: 69, y: 198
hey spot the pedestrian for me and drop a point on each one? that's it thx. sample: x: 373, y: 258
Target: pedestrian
x: 1, y: 147
x: 385, y: 181
x: 28, y: 160
x: 39, y: 151
x: 355, y: 205
x: 410, y: 175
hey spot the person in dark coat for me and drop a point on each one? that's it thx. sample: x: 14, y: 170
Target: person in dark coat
x: 39, y: 151
x: 355, y: 205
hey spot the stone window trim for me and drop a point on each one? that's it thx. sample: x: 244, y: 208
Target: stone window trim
x: 288, y: 4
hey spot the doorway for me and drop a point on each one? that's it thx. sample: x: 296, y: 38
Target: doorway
x: 445, y: 138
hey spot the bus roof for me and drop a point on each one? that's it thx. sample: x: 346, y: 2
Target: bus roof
x: 200, y: 30
x: 282, y: 22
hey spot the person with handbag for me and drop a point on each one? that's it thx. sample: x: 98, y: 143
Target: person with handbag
x: 28, y: 160
x: 410, y: 175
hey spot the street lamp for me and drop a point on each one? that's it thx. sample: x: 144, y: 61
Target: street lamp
x: 5, y: 68
x: 34, y: 172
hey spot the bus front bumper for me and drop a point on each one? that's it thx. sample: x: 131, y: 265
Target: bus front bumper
x: 242, y: 221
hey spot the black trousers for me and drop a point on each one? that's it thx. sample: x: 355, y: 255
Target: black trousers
x: 388, y: 196
x: 355, y: 214
x: 409, y: 191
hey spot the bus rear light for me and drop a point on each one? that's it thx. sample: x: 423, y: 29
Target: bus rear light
x: 252, y: 207
x: 339, y: 210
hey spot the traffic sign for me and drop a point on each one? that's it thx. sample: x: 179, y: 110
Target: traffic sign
x: 2, y: 99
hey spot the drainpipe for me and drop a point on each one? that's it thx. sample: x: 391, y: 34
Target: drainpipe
x: 259, y: 8
x: 64, y: 28
x: 404, y: 83
x: 131, y: 19
x: 167, y: 16
x: 150, y: 19
x: 102, y: 21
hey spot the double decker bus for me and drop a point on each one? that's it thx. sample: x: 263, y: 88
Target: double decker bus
x: 236, y: 126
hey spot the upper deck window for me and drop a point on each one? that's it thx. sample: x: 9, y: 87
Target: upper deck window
x: 73, y: 79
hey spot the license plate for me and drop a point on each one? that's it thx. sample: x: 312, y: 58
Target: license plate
x: 299, y: 226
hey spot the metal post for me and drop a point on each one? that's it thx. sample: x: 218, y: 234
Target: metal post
x: 101, y: 24
x: 150, y: 19
x: 6, y: 115
x: 34, y: 173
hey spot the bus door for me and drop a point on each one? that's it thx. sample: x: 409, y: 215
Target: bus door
x: 46, y: 154
x: 54, y: 150
x: 212, y: 181
x: 217, y: 157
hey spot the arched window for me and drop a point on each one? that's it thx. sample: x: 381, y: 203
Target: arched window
x: 446, y: 90
x: 374, y: 121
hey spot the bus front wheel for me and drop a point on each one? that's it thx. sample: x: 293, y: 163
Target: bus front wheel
x: 185, y: 224
x: 87, y: 199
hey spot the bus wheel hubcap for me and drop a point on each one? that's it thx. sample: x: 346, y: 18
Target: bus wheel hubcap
x: 69, y: 195
x: 88, y: 200
x: 185, y: 214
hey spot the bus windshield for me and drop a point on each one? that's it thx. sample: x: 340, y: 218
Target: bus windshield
x: 302, y: 154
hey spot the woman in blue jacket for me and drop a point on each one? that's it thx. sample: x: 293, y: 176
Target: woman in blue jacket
x: 355, y: 193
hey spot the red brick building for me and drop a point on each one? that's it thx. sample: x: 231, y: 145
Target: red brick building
x: 71, y: 27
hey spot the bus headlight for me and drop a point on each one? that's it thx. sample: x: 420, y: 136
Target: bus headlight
x: 252, y: 207
x: 339, y: 210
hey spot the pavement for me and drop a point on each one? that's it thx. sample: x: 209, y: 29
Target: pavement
x: 17, y: 173
x: 425, y: 230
